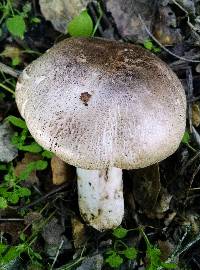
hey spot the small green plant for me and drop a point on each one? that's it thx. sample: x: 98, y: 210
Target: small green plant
x: 26, y: 245
x: 121, y: 252
x: 11, y: 190
x: 148, y: 44
x: 82, y: 25
x: 186, y: 140
x: 15, y: 19
x: 19, y: 138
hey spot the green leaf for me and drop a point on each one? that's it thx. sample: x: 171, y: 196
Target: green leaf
x: 47, y: 154
x: 81, y: 25
x: 16, y: 61
x: 3, y: 203
x: 114, y: 260
x: 2, y: 96
x: 153, y: 255
x: 10, y: 255
x: 33, y: 147
x: 35, y: 165
x: 169, y: 265
x: 37, y: 255
x: 16, y: 121
x: 41, y: 165
x: 3, y: 248
x: 15, y: 138
x: 186, y: 138
x: 148, y: 44
x: 36, y: 20
x: 130, y: 253
x: 156, y: 49
x: 16, y: 26
x: 13, y: 197
x: 22, y: 236
x: 120, y: 232
x: 26, y: 8
x: 3, y: 192
x: 23, y: 192
x: 3, y: 167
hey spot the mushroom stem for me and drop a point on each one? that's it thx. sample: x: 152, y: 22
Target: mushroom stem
x: 101, y: 200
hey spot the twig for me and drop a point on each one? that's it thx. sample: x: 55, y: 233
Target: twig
x: 8, y: 70
x: 189, y: 245
x: 179, y: 62
x: 11, y: 219
x: 7, y: 88
x: 189, y: 80
x: 196, y: 136
x: 44, y: 197
x: 57, y: 253
x: 197, y: 155
x: 177, y: 251
x: 97, y: 18
x: 193, y: 99
x: 70, y: 266
x: 193, y: 28
x: 192, y: 178
x: 163, y: 47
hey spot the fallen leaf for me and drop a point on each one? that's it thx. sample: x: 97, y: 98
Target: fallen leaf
x: 195, y: 114
x: 146, y: 186
x: 53, y: 234
x: 21, y: 166
x: 78, y: 232
x: 13, y: 53
x: 7, y: 149
x: 165, y: 29
x: 125, y: 15
x: 61, y: 171
x: 166, y: 248
x: 91, y: 263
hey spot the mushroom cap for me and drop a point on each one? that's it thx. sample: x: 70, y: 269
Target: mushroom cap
x: 98, y: 103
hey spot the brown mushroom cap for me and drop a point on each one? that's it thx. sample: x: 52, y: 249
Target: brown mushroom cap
x: 97, y: 103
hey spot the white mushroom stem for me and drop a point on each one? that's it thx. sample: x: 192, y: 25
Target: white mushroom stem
x: 101, y: 200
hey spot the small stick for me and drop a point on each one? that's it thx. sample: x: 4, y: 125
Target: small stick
x: 11, y: 219
x: 197, y: 155
x: 8, y: 70
x: 196, y: 136
x: 179, y: 62
x: 57, y: 253
x: 46, y: 196
x: 163, y: 47
x: 190, y: 95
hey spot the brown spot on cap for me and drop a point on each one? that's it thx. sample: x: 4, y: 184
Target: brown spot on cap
x: 85, y: 97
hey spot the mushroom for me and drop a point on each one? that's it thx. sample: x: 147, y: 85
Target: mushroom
x: 102, y: 106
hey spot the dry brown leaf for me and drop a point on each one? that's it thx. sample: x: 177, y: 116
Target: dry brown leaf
x: 61, y: 171
x: 32, y: 217
x: 166, y: 249
x: 146, y: 187
x: 12, y: 229
x: 13, y: 53
x: 21, y: 166
x: 195, y: 114
x: 165, y: 29
x: 78, y: 231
